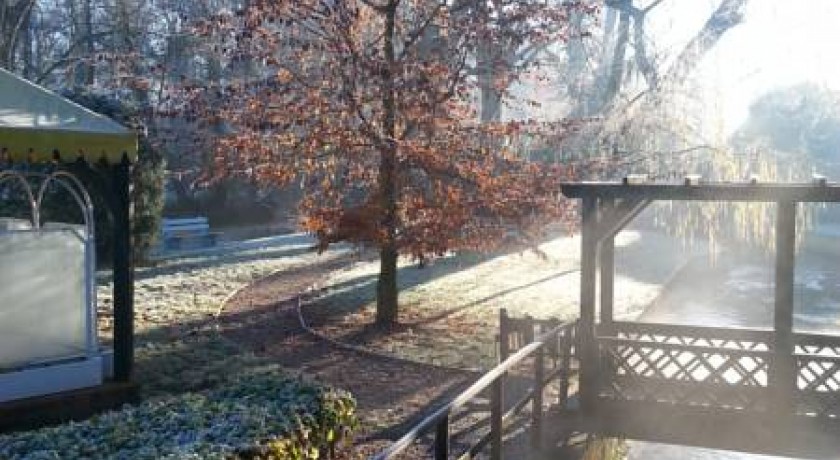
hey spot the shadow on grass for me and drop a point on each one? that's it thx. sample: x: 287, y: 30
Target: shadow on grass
x: 210, y: 356
x: 495, y: 295
x: 198, y: 355
x: 350, y: 296
x: 219, y: 260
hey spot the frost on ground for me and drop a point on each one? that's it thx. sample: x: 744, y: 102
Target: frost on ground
x: 188, y: 291
x: 449, y: 310
x: 175, y: 305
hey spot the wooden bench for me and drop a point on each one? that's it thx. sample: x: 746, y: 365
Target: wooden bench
x: 187, y: 233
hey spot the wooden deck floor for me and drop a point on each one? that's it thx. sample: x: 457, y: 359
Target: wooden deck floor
x: 745, y: 431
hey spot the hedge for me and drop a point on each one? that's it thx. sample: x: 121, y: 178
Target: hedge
x: 267, y: 415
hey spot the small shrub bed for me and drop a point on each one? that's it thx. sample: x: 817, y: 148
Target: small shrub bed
x: 263, y: 415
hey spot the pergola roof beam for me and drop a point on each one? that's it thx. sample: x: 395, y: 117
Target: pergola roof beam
x: 723, y: 191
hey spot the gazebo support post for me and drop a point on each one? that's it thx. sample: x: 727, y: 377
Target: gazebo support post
x: 589, y: 366
x: 123, y: 272
x: 783, y: 376
x: 614, y: 215
x: 607, y: 275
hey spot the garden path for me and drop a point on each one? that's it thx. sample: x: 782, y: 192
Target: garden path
x: 391, y: 393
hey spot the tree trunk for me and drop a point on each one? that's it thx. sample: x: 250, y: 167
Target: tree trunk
x: 387, y: 292
x: 81, y: 32
x: 491, y: 100
x: 729, y: 14
x: 576, y: 73
x: 125, y: 46
x: 386, y: 289
x: 13, y: 17
x: 616, y: 73
x: 26, y: 46
x: 90, y: 47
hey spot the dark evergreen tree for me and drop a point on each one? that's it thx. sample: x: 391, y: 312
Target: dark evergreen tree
x: 147, y: 187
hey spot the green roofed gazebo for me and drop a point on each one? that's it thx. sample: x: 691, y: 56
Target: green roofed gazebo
x: 38, y: 126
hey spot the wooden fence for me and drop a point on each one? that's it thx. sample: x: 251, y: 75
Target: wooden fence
x: 519, y: 340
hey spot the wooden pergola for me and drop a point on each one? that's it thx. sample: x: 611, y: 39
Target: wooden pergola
x: 637, y: 376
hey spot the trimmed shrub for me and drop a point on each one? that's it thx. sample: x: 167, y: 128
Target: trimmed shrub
x: 147, y: 176
x: 262, y: 415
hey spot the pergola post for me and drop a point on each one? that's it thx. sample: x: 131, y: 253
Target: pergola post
x: 589, y: 366
x: 607, y: 276
x: 123, y: 272
x: 783, y: 375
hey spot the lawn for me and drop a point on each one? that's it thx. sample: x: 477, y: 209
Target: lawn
x: 449, y: 310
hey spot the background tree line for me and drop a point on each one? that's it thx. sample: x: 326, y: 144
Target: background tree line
x: 425, y: 110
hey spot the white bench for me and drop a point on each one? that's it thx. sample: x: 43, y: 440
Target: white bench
x: 187, y: 233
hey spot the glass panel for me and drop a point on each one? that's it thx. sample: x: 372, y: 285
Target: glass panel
x: 42, y: 302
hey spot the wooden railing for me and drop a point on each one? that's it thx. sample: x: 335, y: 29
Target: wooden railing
x: 556, y: 343
x: 716, y: 368
x: 818, y: 375
x: 696, y: 366
x: 742, y: 339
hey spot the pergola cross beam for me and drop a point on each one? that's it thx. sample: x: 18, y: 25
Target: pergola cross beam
x: 616, y: 214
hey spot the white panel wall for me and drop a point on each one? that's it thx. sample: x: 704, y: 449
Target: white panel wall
x: 42, y: 296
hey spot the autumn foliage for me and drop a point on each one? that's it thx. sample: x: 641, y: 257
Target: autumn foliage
x: 372, y: 105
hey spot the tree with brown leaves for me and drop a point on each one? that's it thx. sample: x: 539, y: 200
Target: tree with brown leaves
x: 372, y: 105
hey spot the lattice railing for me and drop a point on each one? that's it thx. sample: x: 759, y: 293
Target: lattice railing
x: 686, y: 365
x: 817, y: 345
x: 725, y: 368
x: 818, y: 375
x: 736, y: 339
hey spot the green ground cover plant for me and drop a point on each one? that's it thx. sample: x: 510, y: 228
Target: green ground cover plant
x: 265, y: 414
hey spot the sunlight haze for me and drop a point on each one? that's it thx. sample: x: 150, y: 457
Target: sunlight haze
x: 780, y: 43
